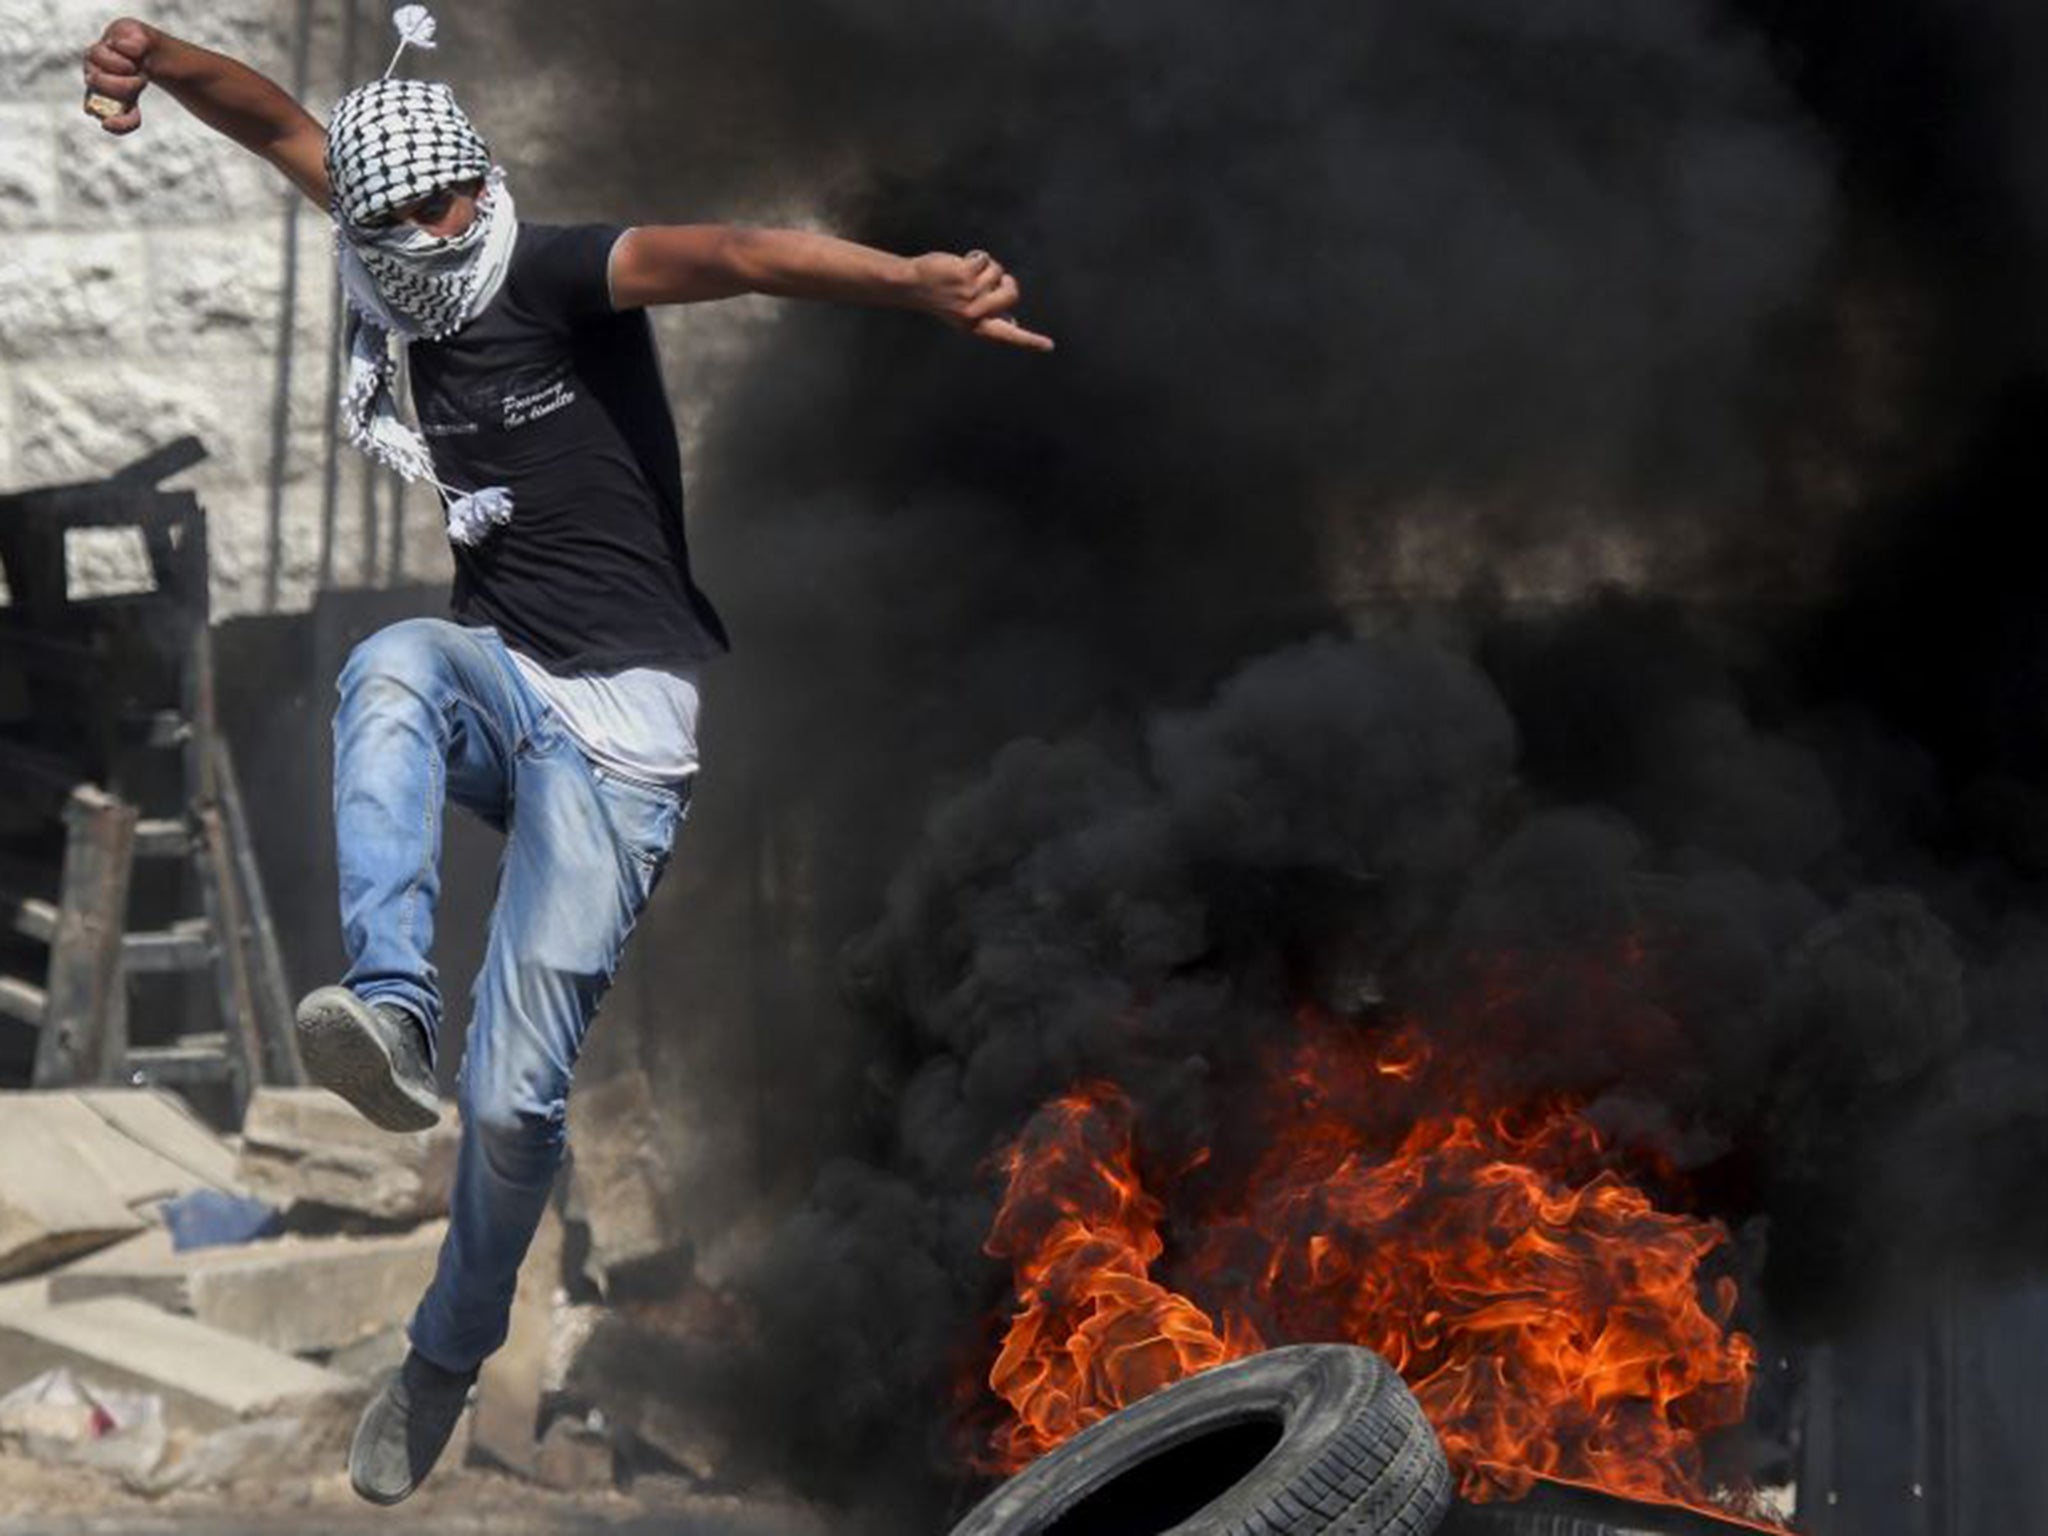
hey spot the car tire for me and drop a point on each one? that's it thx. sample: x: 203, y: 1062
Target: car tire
x: 1307, y: 1439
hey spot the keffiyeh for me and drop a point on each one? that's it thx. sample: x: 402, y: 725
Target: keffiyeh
x: 391, y: 143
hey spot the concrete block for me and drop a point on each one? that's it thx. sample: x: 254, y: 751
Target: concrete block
x: 684, y: 1435
x: 509, y: 1388
x: 570, y: 1333
x: 615, y: 1186
x: 141, y: 1144
x: 207, y: 1379
x: 305, y: 1146
x: 163, y: 1125
x: 635, y: 1370
x: 373, y: 1358
x: 69, y: 297
x: 17, y: 1294
x: 295, y: 1294
x: 574, y: 1458
x: 77, y: 1170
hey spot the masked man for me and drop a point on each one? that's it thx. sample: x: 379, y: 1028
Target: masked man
x: 560, y: 701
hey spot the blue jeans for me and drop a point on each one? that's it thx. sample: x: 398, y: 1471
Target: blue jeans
x: 434, y: 712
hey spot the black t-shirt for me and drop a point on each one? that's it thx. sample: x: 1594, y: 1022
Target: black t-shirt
x: 554, y: 395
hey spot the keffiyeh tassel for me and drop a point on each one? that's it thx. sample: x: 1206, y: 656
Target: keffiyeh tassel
x: 370, y: 415
x: 416, y: 28
x: 403, y: 283
x: 472, y: 517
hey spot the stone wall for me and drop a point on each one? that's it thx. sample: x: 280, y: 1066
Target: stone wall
x: 168, y: 282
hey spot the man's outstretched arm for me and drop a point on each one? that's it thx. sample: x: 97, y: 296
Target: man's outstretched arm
x: 225, y: 94
x: 690, y: 263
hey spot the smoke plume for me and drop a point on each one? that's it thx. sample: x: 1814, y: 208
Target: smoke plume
x: 1418, y: 322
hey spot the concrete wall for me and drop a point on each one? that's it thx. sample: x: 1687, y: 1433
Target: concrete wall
x: 168, y: 283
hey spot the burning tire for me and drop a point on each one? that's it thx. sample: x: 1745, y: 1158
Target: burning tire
x: 1308, y: 1439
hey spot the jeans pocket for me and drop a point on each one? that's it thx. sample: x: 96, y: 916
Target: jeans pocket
x: 644, y: 818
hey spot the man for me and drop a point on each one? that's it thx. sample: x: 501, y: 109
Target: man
x: 560, y: 703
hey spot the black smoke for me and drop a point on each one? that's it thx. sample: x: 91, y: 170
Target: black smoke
x: 1374, y: 317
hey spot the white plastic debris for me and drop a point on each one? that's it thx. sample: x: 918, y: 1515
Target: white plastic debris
x: 57, y: 1418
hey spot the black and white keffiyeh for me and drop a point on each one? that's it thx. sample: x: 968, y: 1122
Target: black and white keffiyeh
x: 391, y: 143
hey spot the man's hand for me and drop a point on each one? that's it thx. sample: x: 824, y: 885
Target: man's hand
x: 692, y: 263
x: 973, y: 293
x: 116, y: 72
x: 223, y: 93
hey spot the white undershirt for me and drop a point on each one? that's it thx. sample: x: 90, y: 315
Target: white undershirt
x: 640, y: 723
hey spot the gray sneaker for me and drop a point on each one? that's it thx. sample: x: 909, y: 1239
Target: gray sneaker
x: 404, y: 1430
x: 375, y: 1057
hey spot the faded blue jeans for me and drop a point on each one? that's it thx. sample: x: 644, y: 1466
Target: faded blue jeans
x: 433, y: 712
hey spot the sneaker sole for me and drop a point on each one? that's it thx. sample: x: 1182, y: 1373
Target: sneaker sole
x: 358, y: 1479
x: 339, y: 1044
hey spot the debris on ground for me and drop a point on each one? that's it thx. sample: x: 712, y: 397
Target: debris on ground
x: 510, y: 1385
x: 82, y: 1169
x: 55, y: 1419
x: 206, y: 1377
x: 182, y: 1310
x: 614, y: 1188
x: 302, y: 1295
x: 303, y: 1147
x: 211, y: 1218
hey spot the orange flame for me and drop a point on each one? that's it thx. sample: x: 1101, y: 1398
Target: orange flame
x: 1552, y: 1321
x: 1095, y: 1333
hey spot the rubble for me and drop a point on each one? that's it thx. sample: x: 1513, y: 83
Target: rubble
x: 55, y: 1418
x: 574, y: 1456
x: 635, y: 1367
x: 509, y: 1387
x: 80, y: 1170
x: 183, y: 1153
x: 305, y: 1147
x: 374, y: 1357
x: 246, y: 1359
x: 614, y: 1180
x: 300, y: 1295
x: 205, y: 1386
x: 207, y: 1379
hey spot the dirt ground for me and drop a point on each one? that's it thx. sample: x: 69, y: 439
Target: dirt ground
x: 37, y: 1500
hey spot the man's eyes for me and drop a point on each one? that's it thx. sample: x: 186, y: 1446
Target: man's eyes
x: 428, y: 208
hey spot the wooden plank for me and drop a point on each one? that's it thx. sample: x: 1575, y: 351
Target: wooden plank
x: 218, y: 888
x: 98, y: 505
x: 174, y: 458
x: 85, y: 951
x: 195, y: 1059
x: 21, y: 1001
x: 30, y: 916
x: 163, y: 838
x: 273, y: 996
x: 185, y: 946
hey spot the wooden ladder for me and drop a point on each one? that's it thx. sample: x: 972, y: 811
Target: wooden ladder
x: 79, y: 1007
